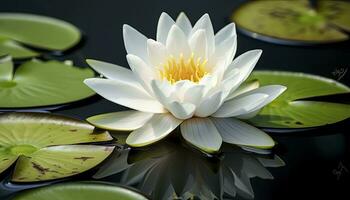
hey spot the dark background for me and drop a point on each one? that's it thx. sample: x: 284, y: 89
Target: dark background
x: 312, y: 160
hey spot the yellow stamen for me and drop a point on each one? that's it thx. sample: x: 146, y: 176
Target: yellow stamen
x: 183, y: 69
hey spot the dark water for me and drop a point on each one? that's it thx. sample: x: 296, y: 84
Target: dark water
x: 317, y: 163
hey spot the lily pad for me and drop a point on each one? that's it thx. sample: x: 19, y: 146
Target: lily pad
x: 81, y: 191
x: 46, y: 146
x: 292, y: 109
x: 39, y: 83
x: 36, y: 31
x: 13, y: 48
x: 294, y: 22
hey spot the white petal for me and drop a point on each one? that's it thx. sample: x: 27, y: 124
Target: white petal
x: 159, y: 126
x: 164, y: 24
x: 184, y: 23
x: 226, y: 32
x: 142, y: 71
x: 243, y: 88
x: 205, y: 23
x: 194, y: 94
x: 240, y: 105
x: 157, y: 53
x: 201, y: 132
x: 181, y: 110
x: 125, y: 94
x: 112, y: 71
x: 198, y: 44
x: 245, y: 63
x: 124, y: 120
x: 177, y: 43
x: 209, y: 105
x: 237, y: 132
x: 135, y: 42
x: 226, y: 50
x: 273, y: 91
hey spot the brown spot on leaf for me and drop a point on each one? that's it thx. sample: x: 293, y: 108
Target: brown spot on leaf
x: 73, y: 130
x: 40, y: 168
x: 83, y: 158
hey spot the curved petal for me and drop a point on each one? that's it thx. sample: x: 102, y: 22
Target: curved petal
x: 201, y: 132
x: 142, y: 71
x: 240, y: 105
x: 273, y: 91
x: 209, y: 105
x: 135, y: 42
x: 198, y: 44
x: 181, y: 110
x: 243, y: 88
x: 125, y: 94
x: 157, y: 53
x: 164, y: 24
x: 184, y: 23
x: 124, y: 120
x: 205, y: 23
x: 226, y: 32
x: 112, y: 71
x: 159, y: 126
x: 177, y: 43
x: 240, y: 133
x: 227, y: 49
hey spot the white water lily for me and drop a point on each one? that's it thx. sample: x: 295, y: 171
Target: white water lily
x: 186, y: 77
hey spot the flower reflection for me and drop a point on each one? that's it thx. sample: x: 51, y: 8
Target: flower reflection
x: 172, y: 171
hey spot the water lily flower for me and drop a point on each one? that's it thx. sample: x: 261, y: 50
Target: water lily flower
x: 186, y: 77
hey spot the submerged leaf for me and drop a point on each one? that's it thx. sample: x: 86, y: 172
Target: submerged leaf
x: 290, y: 110
x: 38, y: 83
x: 42, y: 142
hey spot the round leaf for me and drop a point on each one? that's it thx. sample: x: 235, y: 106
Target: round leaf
x: 290, y: 110
x: 294, y: 22
x: 38, y: 83
x: 43, y: 144
x: 80, y: 191
x: 39, y: 31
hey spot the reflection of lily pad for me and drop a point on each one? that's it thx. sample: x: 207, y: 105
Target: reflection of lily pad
x: 37, y: 83
x: 290, y: 111
x: 80, y: 191
x: 294, y: 22
x: 37, y: 31
x: 46, y: 146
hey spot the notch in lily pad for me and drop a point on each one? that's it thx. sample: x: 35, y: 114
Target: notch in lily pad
x: 46, y: 147
x: 298, y: 106
x: 22, y: 34
x: 38, y: 83
x: 294, y: 22
x: 81, y: 191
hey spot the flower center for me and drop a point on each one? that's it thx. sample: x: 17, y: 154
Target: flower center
x: 184, y: 69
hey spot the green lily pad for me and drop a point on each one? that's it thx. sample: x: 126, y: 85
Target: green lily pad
x: 13, y: 48
x: 36, y: 31
x: 81, y: 191
x: 294, y: 22
x: 46, y: 146
x: 290, y: 110
x: 39, y: 83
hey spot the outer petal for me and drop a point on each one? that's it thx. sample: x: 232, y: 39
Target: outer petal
x: 135, y: 42
x: 226, y: 50
x: 124, y: 120
x: 205, y: 23
x: 245, y: 87
x: 177, y: 43
x: 240, y: 105
x: 157, y: 53
x: 198, y: 44
x: 112, y: 71
x: 125, y: 94
x: 164, y: 24
x: 157, y: 128
x: 184, y: 23
x: 273, y: 91
x: 237, y: 132
x: 226, y: 32
x: 201, y: 132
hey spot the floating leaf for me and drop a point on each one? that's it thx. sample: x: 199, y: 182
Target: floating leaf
x: 290, y: 110
x: 38, y: 83
x: 13, y: 48
x: 38, y: 31
x: 294, y: 22
x: 81, y: 191
x: 43, y: 145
